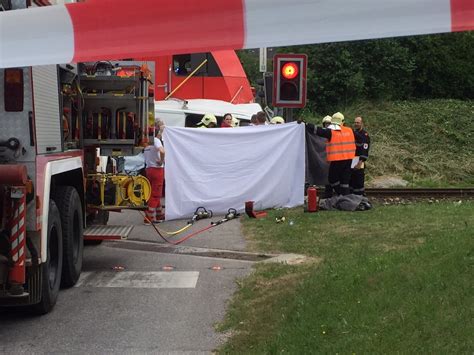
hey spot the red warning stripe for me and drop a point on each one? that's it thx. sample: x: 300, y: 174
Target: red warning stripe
x: 462, y: 15
x: 18, y: 238
x: 17, y: 249
x: 154, y: 27
x: 15, y: 221
x: 39, y: 218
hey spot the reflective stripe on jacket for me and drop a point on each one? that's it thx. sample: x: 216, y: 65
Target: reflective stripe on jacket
x: 341, y: 146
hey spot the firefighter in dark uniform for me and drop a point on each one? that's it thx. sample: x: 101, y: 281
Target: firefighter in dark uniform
x: 340, y: 150
x: 362, y: 141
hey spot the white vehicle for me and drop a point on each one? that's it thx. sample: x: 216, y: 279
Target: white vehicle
x: 187, y: 113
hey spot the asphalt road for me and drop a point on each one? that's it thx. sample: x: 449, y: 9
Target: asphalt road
x: 125, y: 301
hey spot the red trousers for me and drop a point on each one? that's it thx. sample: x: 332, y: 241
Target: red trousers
x: 156, y: 177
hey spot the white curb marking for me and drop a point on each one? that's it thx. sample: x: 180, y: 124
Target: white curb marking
x: 139, y: 279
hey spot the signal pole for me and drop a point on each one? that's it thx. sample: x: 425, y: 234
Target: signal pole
x: 262, y: 63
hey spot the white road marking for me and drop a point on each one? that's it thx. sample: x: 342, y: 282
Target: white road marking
x: 139, y: 279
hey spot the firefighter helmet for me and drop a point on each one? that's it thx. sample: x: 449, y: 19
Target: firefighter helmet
x: 235, y: 122
x: 277, y: 120
x: 327, y: 119
x: 337, y: 118
x: 207, y: 119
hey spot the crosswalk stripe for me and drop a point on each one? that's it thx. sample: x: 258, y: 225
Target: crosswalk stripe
x: 139, y: 279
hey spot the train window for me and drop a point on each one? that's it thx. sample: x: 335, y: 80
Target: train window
x: 13, y: 90
x: 196, y: 61
x: 182, y: 64
x: 212, y: 67
x: 185, y: 64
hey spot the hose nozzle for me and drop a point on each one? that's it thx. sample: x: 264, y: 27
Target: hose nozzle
x: 200, y: 213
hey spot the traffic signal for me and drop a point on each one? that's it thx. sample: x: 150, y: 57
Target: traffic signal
x: 267, y: 82
x: 265, y: 91
x: 289, y: 80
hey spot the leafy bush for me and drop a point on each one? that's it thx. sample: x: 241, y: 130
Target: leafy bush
x: 339, y: 74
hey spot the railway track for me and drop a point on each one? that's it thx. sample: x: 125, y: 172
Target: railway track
x: 421, y: 192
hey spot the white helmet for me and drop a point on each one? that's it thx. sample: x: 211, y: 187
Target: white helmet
x: 327, y: 119
x: 277, y: 120
x: 337, y: 118
x: 208, y: 118
x: 235, y: 122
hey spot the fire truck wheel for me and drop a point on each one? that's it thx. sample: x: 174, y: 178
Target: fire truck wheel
x: 51, y: 269
x: 70, y: 210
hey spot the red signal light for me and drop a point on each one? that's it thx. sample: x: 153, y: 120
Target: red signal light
x: 13, y: 76
x: 289, y: 80
x: 289, y: 70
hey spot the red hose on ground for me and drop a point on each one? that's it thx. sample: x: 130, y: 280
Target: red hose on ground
x: 191, y: 235
x: 180, y: 240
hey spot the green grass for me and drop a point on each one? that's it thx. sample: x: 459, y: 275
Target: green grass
x: 393, y: 279
x: 426, y: 142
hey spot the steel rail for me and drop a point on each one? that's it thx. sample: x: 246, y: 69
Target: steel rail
x: 420, y: 192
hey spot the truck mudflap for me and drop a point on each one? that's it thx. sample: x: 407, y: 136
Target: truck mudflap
x: 14, y: 214
x: 17, y: 227
x: 32, y: 294
x: 107, y: 232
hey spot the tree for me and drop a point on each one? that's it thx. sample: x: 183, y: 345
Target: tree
x: 434, y: 66
x: 249, y: 60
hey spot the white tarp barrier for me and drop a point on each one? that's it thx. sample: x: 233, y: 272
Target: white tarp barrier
x: 222, y: 168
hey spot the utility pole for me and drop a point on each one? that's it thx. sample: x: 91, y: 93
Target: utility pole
x: 263, y: 60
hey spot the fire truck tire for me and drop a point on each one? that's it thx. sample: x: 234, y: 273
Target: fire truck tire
x: 70, y: 210
x: 51, y: 269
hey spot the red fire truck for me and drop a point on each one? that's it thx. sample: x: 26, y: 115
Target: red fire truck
x: 55, y: 120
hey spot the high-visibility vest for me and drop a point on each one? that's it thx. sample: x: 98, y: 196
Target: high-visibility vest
x: 342, y: 145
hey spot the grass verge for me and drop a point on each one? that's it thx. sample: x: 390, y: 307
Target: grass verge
x: 393, y: 279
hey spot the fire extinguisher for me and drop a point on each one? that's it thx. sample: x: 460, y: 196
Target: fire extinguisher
x: 312, y: 194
